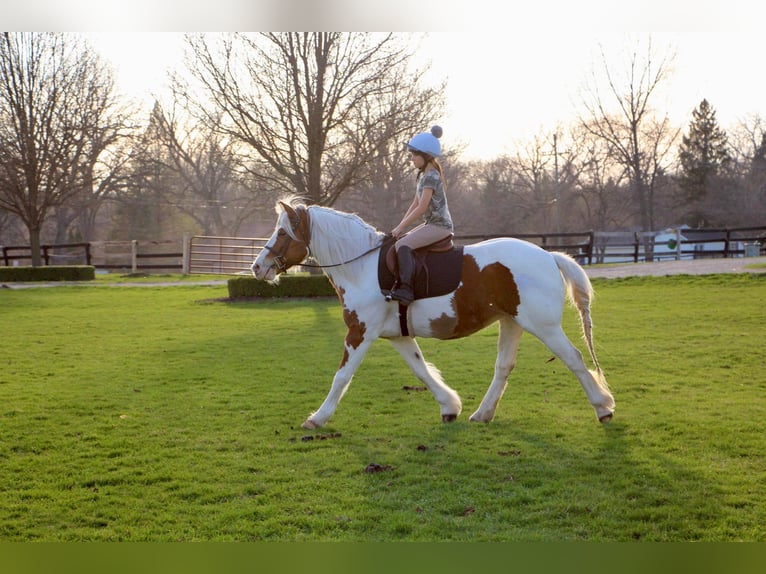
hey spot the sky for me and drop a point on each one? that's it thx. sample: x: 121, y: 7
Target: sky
x: 513, y: 70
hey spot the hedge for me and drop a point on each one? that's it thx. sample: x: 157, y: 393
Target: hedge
x: 48, y: 273
x: 288, y: 286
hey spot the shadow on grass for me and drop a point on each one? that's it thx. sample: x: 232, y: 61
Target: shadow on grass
x: 500, y: 482
x: 387, y: 470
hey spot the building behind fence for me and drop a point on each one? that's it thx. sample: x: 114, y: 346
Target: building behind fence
x: 200, y: 254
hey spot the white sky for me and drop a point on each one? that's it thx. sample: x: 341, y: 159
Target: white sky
x: 512, y: 69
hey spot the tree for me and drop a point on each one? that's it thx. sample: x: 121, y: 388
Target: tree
x: 636, y: 139
x: 314, y: 109
x: 52, y: 88
x: 102, y: 170
x: 601, y: 186
x: 704, y: 156
x: 144, y: 208
x: 503, y: 204
x: 208, y: 186
x: 749, y: 150
x: 757, y: 172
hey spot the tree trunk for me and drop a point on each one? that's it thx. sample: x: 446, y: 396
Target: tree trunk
x: 34, y: 247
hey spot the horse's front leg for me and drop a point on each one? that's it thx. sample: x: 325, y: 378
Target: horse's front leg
x: 448, y: 399
x: 353, y: 354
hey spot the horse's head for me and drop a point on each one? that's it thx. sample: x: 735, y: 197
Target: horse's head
x: 287, y: 246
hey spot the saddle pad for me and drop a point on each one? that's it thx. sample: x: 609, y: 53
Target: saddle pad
x: 436, y: 273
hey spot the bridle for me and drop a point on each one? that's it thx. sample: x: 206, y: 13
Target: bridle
x: 301, y: 216
x: 301, y: 225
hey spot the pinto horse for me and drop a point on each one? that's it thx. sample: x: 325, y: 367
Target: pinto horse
x: 514, y: 282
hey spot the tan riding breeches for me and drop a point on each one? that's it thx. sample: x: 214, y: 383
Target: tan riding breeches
x: 425, y: 234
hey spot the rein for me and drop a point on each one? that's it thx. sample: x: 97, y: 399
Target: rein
x: 370, y: 250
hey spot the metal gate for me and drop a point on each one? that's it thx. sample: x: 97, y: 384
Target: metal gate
x: 223, y: 255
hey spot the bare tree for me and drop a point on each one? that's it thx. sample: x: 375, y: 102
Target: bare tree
x: 52, y: 91
x: 636, y: 139
x: 601, y: 186
x: 315, y: 109
x: 11, y: 229
x: 549, y: 167
x: 143, y: 204
x: 501, y: 201
x: 749, y: 150
x: 102, y: 172
x: 209, y: 187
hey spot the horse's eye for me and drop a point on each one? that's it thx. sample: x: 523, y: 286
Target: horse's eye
x: 281, y: 232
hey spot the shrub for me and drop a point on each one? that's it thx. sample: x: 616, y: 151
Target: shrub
x: 288, y: 286
x: 48, y: 273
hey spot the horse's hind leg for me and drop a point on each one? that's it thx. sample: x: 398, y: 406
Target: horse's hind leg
x: 448, y: 399
x: 507, y: 348
x: 593, y: 382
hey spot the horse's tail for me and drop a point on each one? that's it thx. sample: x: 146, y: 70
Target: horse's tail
x: 580, y: 293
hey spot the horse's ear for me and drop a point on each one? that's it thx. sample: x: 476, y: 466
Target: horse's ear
x: 287, y: 208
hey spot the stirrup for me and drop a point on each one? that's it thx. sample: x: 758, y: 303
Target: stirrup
x: 404, y: 296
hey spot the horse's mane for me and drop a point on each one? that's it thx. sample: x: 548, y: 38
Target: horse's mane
x: 338, y: 236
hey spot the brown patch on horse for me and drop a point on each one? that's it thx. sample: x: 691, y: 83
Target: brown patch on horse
x: 339, y: 290
x: 356, y: 329
x: 483, y: 295
x: 300, y: 221
x: 293, y: 251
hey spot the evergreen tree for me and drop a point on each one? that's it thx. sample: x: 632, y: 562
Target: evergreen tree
x: 758, y: 165
x: 704, y: 154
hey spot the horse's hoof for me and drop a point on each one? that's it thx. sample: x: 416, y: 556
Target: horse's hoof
x: 309, y: 424
x: 476, y: 419
x: 449, y: 418
x: 605, y: 418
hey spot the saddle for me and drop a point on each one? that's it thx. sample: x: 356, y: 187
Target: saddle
x: 438, y: 268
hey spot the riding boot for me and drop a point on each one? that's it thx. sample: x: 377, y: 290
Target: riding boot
x: 406, y: 261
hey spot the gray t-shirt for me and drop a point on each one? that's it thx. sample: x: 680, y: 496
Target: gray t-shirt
x: 438, y: 210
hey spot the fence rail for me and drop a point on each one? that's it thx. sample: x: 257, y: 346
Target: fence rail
x: 675, y: 244
x: 202, y: 254
x: 110, y: 255
x: 69, y: 253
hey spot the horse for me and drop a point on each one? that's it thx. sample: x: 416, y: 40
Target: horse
x: 506, y: 280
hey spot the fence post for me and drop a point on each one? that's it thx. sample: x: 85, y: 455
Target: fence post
x: 134, y: 256
x: 678, y: 244
x: 185, y: 264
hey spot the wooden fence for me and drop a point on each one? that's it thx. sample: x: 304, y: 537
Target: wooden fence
x: 128, y: 256
x: 676, y: 244
x: 233, y: 255
x: 54, y: 254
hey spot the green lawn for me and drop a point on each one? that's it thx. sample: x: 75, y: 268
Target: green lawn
x: 168, y: 414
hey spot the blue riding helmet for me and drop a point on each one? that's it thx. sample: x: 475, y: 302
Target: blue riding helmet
x: 427, y: 142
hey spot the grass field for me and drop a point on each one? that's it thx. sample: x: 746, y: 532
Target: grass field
x: 168, y: 414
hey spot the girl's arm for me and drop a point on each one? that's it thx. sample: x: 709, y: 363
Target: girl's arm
x: 416, y: 210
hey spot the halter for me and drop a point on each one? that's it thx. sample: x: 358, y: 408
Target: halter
x: 301, y: 225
